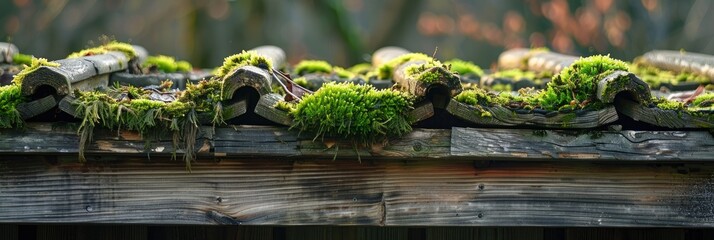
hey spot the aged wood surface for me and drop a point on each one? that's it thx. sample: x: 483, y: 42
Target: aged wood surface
x: 626, y: 145
x: 455, y: 143
x: 501, y: 116
x: 662, y: 118
x: 318, y: 191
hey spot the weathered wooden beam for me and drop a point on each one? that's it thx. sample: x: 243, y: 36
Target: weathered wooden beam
x: 663, y: 118
x: 447, y: 144
x: 501, y: 116
x: 626, y: 145
x: 311, y: 191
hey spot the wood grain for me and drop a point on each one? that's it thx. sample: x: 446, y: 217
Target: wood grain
x: 663, y: 118
x: 501, y: 116
x: 447, y: 144
x: 626, y: 145
x: 311, y: 191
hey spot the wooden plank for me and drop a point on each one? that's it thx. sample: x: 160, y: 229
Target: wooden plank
x: 663, y: 118
x: 447, y: 144
x: 501, y: 116
x: 346, y: 192
x: 626, y: 145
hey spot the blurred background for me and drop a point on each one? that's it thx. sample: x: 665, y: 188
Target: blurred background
x: 346, y: 32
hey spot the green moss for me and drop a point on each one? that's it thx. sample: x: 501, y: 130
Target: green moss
x: 125, y: 48
x: 342, y: 73
x: 35, y: 64
x: 22, y: 59
x: 302, y: 81
x: 285, y: 106
x: 167, y: 64
x: 464, y: 67
x: 703, y: 99
x: 518, y: 74
x: 480, y: 99
x: 666, y: 104
x: 10, y: 97
x: 577, y: 84
x: 183, y: 66
x: 386, y: 70
x: 360, y: 69
x: 501, y: 87
x: 312, y: 66
x: 244, y: 58
x: 426, y: 72
x: 139, y: 112
x: 357, y: 112
x: 656, y: 77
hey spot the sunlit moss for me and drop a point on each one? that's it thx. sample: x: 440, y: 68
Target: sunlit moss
x: 386, y: 70
x: 22, y: 59
x: 357, y: 112
x: 360, y: 69
x: 666, y: 104
x: 125, y: 48
x: 10, y: 97
x: 167, y: 64
x: 141, y: 113
x: 285, y: 106
x: 244, y: 58
x: 426, y: 73
x: 312, y: 66
x: 35, y: 64
x: 518, y: 74
x: 342, y: 73
x: 656, y: 77
x: 706, y: 98
x: 480, y: 99
x: 578, y: 82
x: 464, y: 67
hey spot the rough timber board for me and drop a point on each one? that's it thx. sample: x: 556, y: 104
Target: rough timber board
x: 346, y: 192
x: 446, y: 144
x: 626, y: 145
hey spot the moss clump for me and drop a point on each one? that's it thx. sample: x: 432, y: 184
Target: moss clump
x: 666, y: 104
x: 35, y: 64
x: 342, y: 73
x: 464, y: 67
x: 167, y: 64
x: 358, y: 112
x: 285, y: 106
x: 136, y: 109
x: 502, y: 87
x: 360, y: 69
x: 312, y: 66
x: 703, y: 100
x: 518, y: 74
x: 386, y: 70
x: 22, y: 59
x: 10, y: 97
x: 427, y: 72
x: 576, y: 85
x: 244, y: 58
x: 656, y: 77
x: 125, y: 48
x: 480, y: 99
